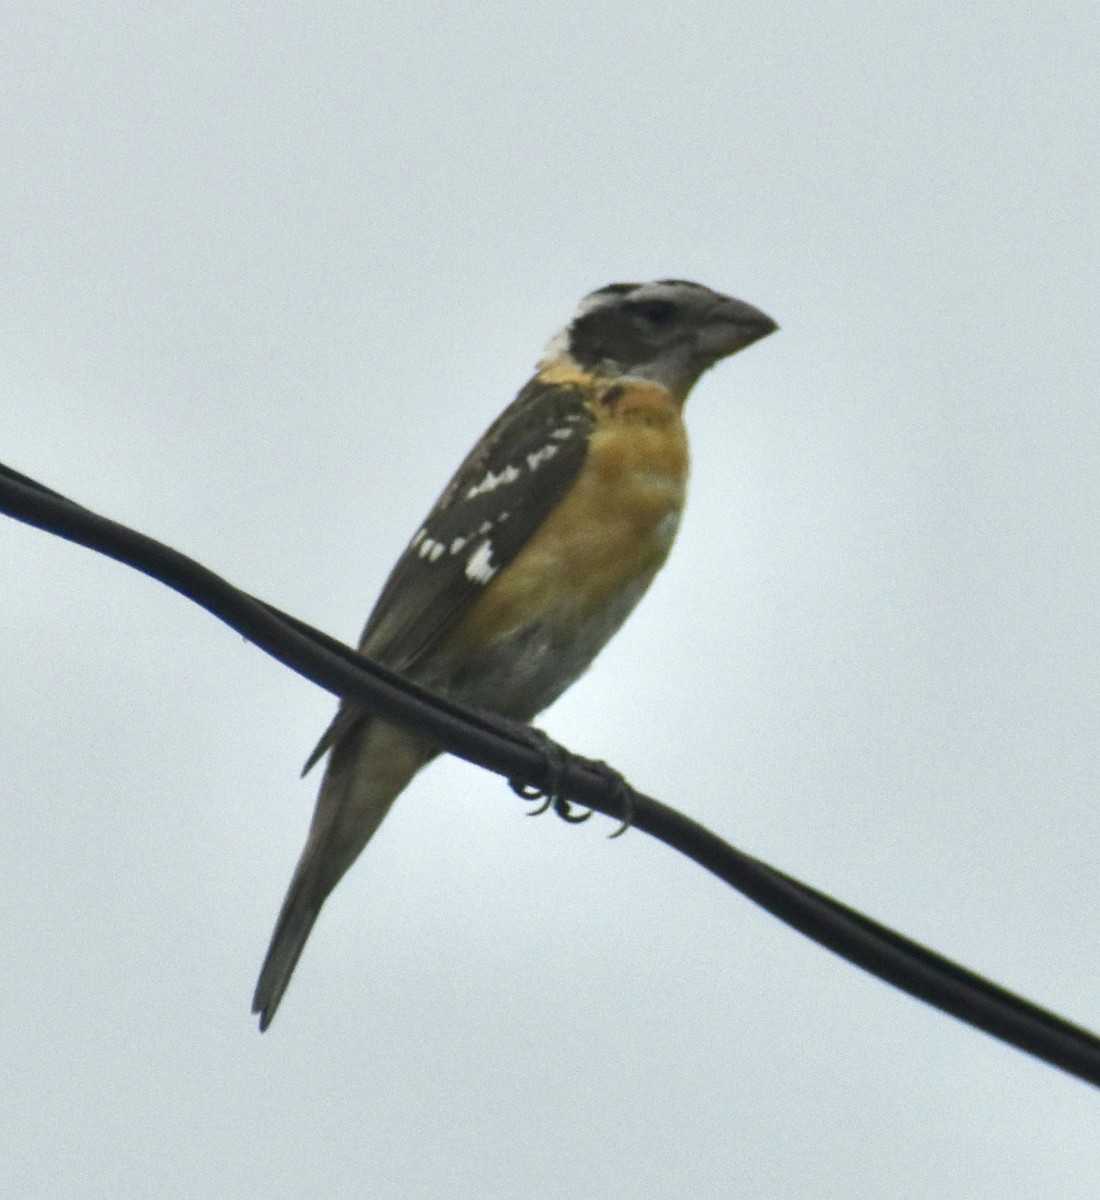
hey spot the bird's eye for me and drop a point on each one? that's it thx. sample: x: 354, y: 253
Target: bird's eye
x: 658, y: 313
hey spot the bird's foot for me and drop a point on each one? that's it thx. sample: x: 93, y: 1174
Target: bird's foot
x: 549, y: 791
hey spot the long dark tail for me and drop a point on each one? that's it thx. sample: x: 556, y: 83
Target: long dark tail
x: 367, y: 770
x: 301, y: 908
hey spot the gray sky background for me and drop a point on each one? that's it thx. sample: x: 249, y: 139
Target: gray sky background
x: 268, y: 270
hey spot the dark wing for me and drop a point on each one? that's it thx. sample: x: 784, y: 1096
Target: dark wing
x: 498, y: 497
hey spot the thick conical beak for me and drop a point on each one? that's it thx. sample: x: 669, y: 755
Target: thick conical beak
x: 732, y: 325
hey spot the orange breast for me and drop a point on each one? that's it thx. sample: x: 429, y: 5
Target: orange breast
x: 602, y: 545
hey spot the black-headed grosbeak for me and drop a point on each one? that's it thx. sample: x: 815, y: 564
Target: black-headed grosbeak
x: 544, y: 540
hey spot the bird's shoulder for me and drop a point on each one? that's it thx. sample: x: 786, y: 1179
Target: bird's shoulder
x: 505, y: 488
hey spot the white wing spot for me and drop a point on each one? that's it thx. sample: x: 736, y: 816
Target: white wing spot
x: 479, y: 566
x: 562, y: 434
x: 417, y: 537
x: 436, y: 550
x: 457, y: 544
x: 492, y: 481
x: 535, y: 460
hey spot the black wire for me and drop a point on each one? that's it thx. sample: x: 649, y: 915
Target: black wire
x: 511, y: 751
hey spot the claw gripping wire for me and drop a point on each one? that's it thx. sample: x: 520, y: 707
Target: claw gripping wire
x: 549, y: 791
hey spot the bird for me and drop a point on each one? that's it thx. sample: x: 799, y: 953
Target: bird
x: 544, y: 540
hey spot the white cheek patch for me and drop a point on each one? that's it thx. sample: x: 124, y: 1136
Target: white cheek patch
x: 492, y: 481
x: 556, y: 348
x: 479, y: 566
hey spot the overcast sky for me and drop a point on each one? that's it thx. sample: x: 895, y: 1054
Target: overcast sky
x: 268, y: 270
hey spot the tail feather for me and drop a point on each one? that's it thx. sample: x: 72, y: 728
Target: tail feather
x: 369, y: 767
x: 301, y: 908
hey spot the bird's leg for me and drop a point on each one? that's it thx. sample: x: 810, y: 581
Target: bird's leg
x: 549, y: 792
x: 555, y: 760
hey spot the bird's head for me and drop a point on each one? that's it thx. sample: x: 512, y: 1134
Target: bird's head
x: 667, y: 332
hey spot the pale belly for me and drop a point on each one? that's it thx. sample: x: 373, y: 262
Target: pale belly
x: 533, y: 661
